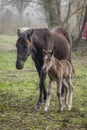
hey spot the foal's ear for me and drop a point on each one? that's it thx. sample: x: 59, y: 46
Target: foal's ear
x: 18, y: 32
x: 51, y: 52
x: 44, y: 52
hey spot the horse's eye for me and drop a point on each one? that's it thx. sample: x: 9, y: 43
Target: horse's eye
x: 25, y: 46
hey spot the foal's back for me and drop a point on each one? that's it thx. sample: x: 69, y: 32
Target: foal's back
x: 59, y: 68
x: 66, y: 67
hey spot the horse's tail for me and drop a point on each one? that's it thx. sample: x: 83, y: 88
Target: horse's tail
x: 70, y: 41
x: 69, y: 38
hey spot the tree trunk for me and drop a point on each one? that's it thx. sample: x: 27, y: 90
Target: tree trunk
x: 58, y: 16
x: 77, y: 40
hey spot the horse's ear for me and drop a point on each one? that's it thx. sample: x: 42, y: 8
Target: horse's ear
x: 18, y: 32
x: 44, y: 52
x: 29, y: 34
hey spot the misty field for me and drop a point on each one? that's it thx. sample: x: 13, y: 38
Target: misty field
x: 19, y: 91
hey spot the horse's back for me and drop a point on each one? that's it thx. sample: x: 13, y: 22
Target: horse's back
x: 42, y: 38
x: 61, y: 47
x: 59, y: 30
x: 54, y: 39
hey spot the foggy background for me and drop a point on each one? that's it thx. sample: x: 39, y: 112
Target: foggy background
x: 70, y: 14
x: 12, y: 17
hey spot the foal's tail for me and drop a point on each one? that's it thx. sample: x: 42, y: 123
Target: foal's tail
x: 73, y: 70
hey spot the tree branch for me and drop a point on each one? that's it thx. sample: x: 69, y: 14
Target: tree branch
x: 77, y: 10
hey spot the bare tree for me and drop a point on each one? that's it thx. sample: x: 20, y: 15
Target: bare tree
x: 74, y: 8
x: 58, y: 12
x: 19, y: 4
x: 49, y: 8
x: 76, y: 41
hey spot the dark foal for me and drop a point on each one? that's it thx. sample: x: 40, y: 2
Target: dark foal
x: 59, y: 71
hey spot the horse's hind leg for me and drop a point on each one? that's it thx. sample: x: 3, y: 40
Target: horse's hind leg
x: 48, y: 95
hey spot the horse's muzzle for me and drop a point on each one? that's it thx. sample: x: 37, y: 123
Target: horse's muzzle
x: 19, y: 65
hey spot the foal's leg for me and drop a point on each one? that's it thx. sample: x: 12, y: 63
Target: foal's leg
x: 70, y: 93
x: 66, y: 92
x: 48, y: 95
x: 59, y: 87
x: 62, y: 90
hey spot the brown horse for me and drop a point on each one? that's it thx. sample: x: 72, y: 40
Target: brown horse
x: 33, y: 41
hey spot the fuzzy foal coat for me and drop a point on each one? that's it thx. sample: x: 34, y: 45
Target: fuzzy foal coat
x: 59, y: 71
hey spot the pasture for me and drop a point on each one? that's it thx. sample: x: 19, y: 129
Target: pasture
x: 19, y: 93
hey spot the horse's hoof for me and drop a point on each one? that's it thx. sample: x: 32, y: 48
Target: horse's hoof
x: 38, y: 107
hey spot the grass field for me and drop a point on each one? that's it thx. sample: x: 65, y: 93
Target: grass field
x: 19, y: 93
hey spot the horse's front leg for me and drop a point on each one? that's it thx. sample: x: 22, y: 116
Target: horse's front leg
x: 42, y: 89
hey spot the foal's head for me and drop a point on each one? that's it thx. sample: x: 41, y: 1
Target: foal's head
x: 48, y: 60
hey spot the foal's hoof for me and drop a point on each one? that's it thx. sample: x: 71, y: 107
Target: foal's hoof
x: 45, y: 110
x: 69, y: 107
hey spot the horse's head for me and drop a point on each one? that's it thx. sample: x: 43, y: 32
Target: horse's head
x: 23, y: 47
x: 48, y: 59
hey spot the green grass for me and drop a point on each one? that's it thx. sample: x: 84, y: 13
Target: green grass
x: 19, y: 92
